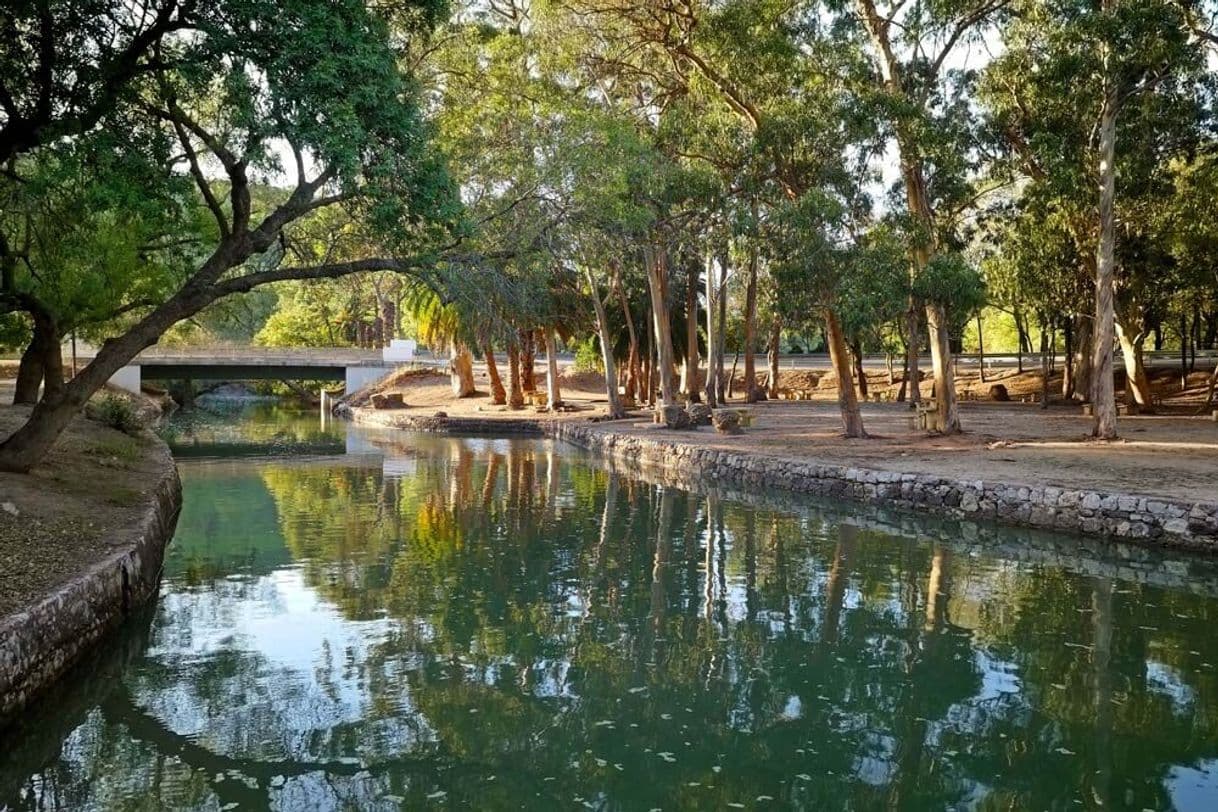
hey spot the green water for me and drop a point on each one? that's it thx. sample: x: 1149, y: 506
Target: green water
x: 380, y: 621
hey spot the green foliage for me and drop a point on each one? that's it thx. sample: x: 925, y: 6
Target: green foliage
x: 117, y: 413
x: 588, y: 356
x: 949, y: 280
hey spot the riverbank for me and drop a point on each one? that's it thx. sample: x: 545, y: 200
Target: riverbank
x: 82, y: 538
x: 1017, y: 464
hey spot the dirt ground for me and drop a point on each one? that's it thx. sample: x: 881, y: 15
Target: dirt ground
x: 1171, y: 454
x: 59, y: 519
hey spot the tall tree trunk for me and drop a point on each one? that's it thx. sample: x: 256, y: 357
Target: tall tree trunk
x: 775, y: 346
x: 945, y: 373
x: 1185, y: 337
x: 980, y: 349
x: 731, y: 378
x: 860, y: 374
x: 515, y: 393
x: 839, y: 357
x: 528, y: 353
x: 555, y: 396
x: 602, y: 328
x: 712, y: 336
x: 657, y: 276
x: 689, y: 382
x: 1137, y: 386
x: 461, y: 370
x: 498, y: 395
x: 721, y: 381
x: 1083, y: 357
x: 1021, y: 341
x: 389, y: 318
x: 1068, y: 358
x: 750, y: 329
x: 1044, y: 366
x: 913, y: 371
x: 635, y: 362
x: 1103, y: 392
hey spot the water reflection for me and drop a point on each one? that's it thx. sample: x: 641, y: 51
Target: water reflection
x: 505, y: 623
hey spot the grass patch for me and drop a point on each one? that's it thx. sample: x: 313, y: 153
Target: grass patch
x: 120, y: 449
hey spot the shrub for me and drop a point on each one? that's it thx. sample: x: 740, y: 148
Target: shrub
x: 117, y: 413
x: 588, y: 356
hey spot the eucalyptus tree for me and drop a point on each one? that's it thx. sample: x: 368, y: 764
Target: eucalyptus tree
x: 304, y: 93
x: 1032, y: 262
x: 1190, y: 233
x: 1085, y: 94
x: 772, y: 66
x: 921, y: 94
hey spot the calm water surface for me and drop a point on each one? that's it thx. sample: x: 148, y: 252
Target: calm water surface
x: 352, y: 620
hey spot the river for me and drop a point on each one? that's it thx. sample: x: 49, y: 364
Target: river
x: 358, y: 619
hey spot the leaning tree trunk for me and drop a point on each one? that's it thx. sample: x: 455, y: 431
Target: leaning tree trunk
x: 515, y: 394
x: 689, y: 383
x: 750, y: 330
x: 1209, y: 392
x: 29, y: 373
x: 731, y: 378
x: 60, y: 402
x: 528, y: 353
x: 461, y: 370
x: 41, y: 363
x: 498, y: 395
x: 839, y: 357
x: 29, y: 376
x: 554, y: 398
x: 1137, y: 385
x: 602, y: 328
x: 1103, y: 390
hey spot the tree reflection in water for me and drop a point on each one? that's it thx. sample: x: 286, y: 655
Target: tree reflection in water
x: 500, y: 623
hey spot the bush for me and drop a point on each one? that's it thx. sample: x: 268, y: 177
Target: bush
x: 588, y: 356
x: 117, y: 413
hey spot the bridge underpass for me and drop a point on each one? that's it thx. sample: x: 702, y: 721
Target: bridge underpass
x: 354, y: 368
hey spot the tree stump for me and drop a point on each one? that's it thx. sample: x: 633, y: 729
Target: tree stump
x: 726, y: 421
x: 675, y: 417
x: 699, y: 414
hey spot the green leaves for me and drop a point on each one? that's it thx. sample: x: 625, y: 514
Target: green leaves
x: 948, y: 279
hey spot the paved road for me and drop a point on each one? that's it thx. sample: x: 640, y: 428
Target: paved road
x: 348, y: 356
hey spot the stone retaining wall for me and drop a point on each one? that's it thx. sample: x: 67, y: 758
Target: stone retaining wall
x: 1095, y: 513
x: 40, y: 643
x: 393, y: 419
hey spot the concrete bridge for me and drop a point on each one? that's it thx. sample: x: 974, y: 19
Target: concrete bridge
x: 356, y: 368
